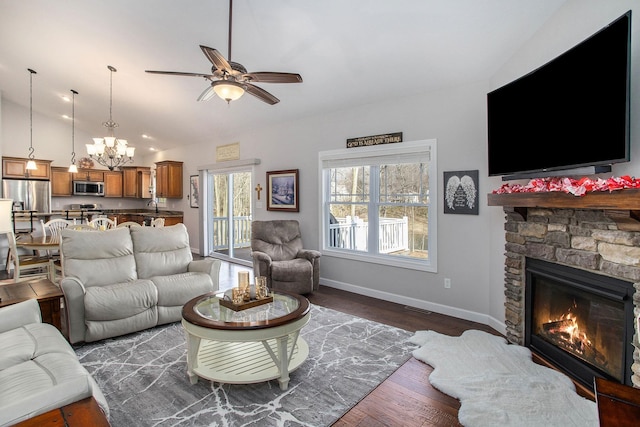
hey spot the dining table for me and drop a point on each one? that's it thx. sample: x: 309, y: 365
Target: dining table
x: 38, y: 243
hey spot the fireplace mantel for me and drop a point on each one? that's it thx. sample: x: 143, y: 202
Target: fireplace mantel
x: 628, y: 199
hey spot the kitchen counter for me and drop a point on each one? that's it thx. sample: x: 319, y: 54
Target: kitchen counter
x: 144, y: 212
x: 31, y: 218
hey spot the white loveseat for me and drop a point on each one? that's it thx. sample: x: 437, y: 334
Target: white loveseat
x: 125, y: 280
x: 39, y: 371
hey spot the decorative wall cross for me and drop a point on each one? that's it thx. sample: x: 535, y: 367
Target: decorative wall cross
x: 258, y: 190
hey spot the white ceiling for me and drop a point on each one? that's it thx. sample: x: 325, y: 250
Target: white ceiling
x: 348, y: 53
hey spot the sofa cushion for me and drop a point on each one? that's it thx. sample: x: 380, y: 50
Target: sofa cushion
x: 294, y: 270
x: 110, y: 252
x: 161, y: 251
x: 36, y: 386
x: 177, y: 289
x: 119, y: 309
x: 119, y: 300
x: 29, y: 342
x: 39, y: 371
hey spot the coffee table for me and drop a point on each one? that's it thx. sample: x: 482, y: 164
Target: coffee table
x: 248, y: 346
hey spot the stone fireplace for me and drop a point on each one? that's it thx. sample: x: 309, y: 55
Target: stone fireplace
x: 595, y: 235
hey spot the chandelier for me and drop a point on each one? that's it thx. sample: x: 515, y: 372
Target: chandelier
x: 110, y: 151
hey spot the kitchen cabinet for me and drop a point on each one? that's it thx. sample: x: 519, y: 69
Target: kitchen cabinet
x: 172, y: 220
x: 137, y: 181
x: 112, y: 184
x: 61, y: 182
x: 169, y: 179
x: 89, y: 175
x: 16, y: 167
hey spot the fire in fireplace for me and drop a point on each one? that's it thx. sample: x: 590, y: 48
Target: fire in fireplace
x: 580, y: 321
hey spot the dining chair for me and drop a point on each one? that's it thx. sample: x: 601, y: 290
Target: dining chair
x: 103, y: 223
x: 128, y: 224
x: 53, y: 228
x: 157, y: 222
x: 28, y: 265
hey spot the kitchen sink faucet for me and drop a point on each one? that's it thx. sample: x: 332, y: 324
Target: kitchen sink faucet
x: 155, y: 203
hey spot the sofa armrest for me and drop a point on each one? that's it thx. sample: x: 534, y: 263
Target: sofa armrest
x: 74, y: 291
x: 210, y: 266
x: 20, y: 314
x: 309, y: 254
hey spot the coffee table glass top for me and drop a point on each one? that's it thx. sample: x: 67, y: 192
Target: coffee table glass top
x: 206, y: 311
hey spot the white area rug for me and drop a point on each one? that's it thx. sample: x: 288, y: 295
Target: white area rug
x: 498, y: 384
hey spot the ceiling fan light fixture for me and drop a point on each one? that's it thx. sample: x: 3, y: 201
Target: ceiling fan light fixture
x: 229, y: 91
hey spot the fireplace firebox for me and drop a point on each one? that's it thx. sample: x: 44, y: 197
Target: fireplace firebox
x: 579, y: 321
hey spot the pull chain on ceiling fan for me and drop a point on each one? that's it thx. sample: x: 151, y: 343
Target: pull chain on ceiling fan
x: 230, y: 80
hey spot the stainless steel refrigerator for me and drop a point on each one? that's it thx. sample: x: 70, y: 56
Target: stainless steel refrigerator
x: 28, y: 195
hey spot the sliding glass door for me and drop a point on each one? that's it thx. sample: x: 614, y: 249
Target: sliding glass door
x: 229, y: 217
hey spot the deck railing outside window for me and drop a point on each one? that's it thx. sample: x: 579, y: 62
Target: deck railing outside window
x: 351, y: 233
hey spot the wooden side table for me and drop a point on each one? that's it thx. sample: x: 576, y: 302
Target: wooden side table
x: 82, y: 413
x: 618, y: 404
x: 44, y: 290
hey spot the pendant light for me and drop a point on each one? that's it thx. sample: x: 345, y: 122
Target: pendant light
x: 73, y: 168
x: 31, y: 163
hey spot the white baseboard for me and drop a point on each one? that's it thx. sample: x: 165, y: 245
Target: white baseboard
x: 417, y: 303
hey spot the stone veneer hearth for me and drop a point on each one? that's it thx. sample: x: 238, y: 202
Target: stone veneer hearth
x: 589, y: 239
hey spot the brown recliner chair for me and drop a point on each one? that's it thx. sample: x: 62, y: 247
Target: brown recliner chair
x: 276, y: 249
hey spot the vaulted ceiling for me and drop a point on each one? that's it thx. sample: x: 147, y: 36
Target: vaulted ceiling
x: 348, y: 53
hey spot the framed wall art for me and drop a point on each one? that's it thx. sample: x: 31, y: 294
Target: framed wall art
x: 282, y: 191
x: 194, y: 191
x: 461, y: 192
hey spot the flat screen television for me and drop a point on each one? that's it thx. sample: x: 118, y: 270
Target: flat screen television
x: 570, y: 113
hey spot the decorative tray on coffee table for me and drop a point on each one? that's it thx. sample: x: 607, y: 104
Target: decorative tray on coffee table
x: 247, y: 304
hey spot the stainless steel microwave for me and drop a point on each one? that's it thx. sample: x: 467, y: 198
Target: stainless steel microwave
x: 87, y: 188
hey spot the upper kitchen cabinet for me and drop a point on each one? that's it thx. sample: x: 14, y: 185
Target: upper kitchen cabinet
x: 61, y: 181
x: 169, y: 179
x: 90, y: 175
x: 137, y: 181
x: 112, y: 184
x: 16, y: 167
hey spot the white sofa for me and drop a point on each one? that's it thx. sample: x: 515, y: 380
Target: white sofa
x: 125, y: 280
x: 39, y: 371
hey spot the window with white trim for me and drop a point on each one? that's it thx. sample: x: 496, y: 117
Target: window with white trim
x: 379, y: 204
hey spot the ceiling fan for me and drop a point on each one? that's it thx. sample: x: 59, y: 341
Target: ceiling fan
x: 230, y: 80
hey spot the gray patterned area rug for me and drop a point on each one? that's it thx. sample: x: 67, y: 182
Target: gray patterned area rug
x: 144, y: 379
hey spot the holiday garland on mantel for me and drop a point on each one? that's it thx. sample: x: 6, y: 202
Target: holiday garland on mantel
x: 577, y: 187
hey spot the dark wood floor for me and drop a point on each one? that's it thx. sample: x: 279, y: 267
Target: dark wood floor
x: 406, y: 398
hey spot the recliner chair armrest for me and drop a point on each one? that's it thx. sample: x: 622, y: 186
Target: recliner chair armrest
x: 261, y: 256
x: 309, y: 254
x: 210, y: 266
x: 20, y: 314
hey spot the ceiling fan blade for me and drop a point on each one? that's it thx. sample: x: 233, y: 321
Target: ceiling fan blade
x: 273, y: 77
x: 216, y: 59
x: 261, y: 94
x: 180, y: 73
x: 207, y: 94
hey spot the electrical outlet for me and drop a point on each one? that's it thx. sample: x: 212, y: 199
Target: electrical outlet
x: 447, y: 283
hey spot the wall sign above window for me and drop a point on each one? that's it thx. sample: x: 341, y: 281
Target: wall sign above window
x: 363, y: 141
